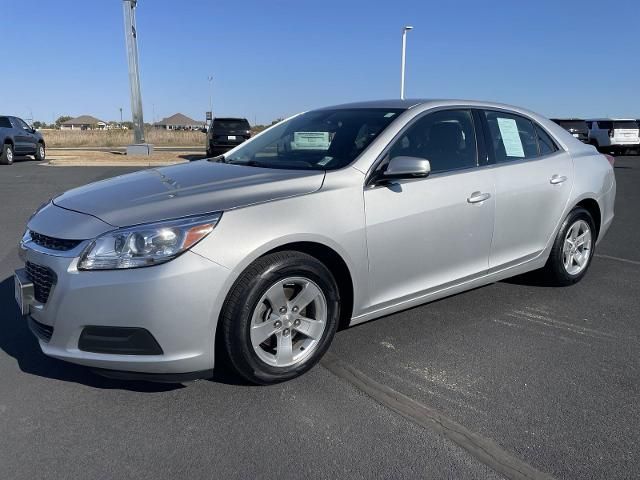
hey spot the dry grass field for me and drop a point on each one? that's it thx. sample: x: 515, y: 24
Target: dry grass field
x: 86, y: 158
x: 121, y: 138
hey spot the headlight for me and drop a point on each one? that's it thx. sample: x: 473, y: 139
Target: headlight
x: 146, y: 245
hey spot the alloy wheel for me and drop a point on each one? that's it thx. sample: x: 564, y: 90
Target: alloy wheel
x: 576, y: 251
x: 288, y: 322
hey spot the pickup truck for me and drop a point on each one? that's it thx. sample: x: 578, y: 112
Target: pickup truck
x: 17, y: 138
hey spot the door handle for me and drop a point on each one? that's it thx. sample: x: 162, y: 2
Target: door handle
x: 477, y: 197
x: 557, y: 179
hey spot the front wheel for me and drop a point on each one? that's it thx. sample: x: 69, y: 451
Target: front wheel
x: 40, y: 152
x: 280, y: 317
x: 572, y: 249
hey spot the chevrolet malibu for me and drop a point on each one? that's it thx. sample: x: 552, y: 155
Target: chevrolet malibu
x: 331, y: 218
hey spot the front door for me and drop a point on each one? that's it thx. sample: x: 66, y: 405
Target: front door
x: 24, y: 139
x: 429, y: 233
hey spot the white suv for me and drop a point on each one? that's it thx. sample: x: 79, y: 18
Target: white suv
x: 618, y: 136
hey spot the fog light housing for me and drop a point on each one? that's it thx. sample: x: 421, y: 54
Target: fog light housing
x: 118, y: 341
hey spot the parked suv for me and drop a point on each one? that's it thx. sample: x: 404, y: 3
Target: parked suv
x: 618, y: 136
x: 576, y: 127
x: 18, y: 138
x: 226, y: 133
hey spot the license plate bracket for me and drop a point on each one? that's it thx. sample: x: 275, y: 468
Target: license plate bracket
x: 23, y: 290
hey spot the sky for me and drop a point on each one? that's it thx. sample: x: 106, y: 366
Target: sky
x: 273, y: 58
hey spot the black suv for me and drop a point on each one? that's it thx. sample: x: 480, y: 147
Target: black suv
x: 18, y: 138
x: 226, y: 133
x: 576, y: 127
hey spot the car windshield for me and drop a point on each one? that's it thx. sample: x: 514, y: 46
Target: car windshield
x: 317, y: 140
x: 231, y: 124
x: 625, y: 124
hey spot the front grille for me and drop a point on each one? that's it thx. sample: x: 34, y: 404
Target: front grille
x: 40, y: 330
x: 51, y: 243
x: 43, y: 279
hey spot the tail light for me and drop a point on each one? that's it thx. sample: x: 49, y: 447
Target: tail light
x: 611, y: 159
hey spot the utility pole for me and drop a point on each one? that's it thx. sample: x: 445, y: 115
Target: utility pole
x: 139, y: 147
x: 404, y: 53
x: 120, y: 116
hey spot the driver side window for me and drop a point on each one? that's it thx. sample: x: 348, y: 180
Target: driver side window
x: 446, y: 138
x: 20, y: 124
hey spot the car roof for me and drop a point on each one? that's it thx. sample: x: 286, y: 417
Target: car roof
x: 612, y: 120
x: 433, y: 102
x: 228, y: 119
x: 567, y: 120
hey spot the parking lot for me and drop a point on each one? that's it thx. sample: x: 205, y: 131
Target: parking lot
x: 511, y: 380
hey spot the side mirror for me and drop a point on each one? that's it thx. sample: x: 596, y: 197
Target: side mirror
x: 407, y: 167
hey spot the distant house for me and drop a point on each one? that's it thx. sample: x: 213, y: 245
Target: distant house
x: 84, y: 122
x: 179, y: 121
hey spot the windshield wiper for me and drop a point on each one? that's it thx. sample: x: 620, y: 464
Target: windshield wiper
x: 218, y: 159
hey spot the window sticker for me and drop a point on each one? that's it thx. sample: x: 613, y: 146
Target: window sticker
x: 310, y: 141
x: 510, y: 137
x: 389, y: 115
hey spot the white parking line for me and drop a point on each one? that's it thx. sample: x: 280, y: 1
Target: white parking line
x: 625, y: 260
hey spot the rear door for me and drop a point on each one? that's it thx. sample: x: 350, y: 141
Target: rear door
x: 533, y: 181
x: 428, y: 233
x: 230, y: 131
x: 20, y: 137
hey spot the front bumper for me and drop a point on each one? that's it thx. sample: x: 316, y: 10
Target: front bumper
x: 177, y: 302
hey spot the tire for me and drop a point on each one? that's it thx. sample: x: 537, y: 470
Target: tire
x: 6, y: 156
x: 563, y: 267
x: 252, y: 311
x: 40, y: 152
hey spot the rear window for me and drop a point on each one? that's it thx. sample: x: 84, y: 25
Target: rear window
x: 572, y: 124
x: 546, y: 144
x: 513, y: 137
x: 625, y: 125
x: 231, y: 124
x: 4, y: 122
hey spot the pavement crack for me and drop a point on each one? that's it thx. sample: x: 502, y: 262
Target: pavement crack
x: 483, y: 449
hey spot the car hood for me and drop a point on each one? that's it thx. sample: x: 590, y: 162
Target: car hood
x: 187, y: 189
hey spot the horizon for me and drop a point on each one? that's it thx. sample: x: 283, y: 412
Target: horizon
x: 557, y: 60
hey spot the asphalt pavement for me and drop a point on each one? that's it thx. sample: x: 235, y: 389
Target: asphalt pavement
x: 513, y: 380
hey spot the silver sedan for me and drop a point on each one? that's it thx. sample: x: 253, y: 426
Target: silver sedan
x: 333, y: 217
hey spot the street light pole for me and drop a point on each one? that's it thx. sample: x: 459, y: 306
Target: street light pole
x: 404, y: 53
x: 129, y: 8
x: 210, y: 78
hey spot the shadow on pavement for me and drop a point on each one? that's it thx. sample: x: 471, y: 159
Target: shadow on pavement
x: 193, y: 157
x: 530, y: 279
x: 17, y: 341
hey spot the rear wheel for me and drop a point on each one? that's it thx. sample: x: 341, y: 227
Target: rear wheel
x: 279, y: 318
x: 572, y: 249
x: 40, y: 152
x: 6, y: 157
